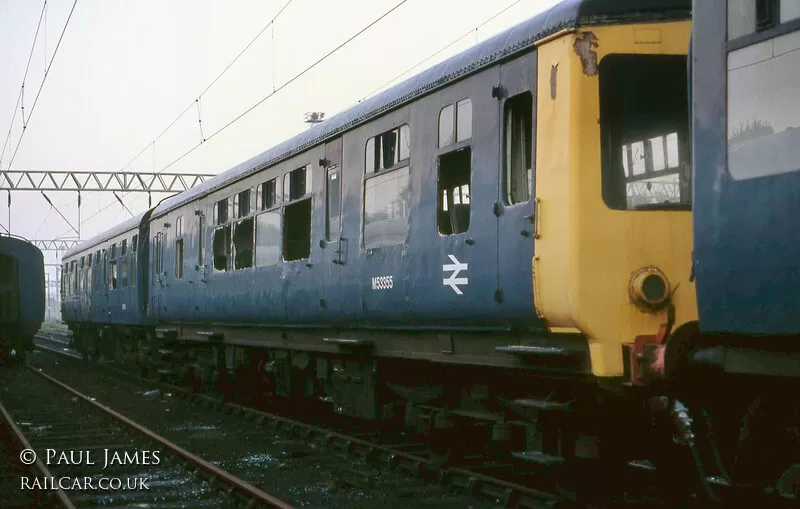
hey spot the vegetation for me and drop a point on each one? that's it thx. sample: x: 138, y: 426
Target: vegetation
x: 750, y: 131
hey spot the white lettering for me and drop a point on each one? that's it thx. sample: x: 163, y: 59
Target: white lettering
x: 382, y: 283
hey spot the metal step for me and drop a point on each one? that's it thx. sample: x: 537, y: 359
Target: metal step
x: 537, y: 404
x: 539, y: 458
x: 534, y: 351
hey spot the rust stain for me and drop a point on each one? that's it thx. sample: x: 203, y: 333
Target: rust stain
x: 584, y: 47
x: 553, y: 81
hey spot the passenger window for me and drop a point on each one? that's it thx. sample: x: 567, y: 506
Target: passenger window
x: 446, y: 126
x: 243, y: 243
x: 387, y: 150
x: 463, y: 120
x: 454, y: 191
x: 268, y: 194
x: 763, y: 114
x: 179, y: 248
x: 643, y: 127
x: 455, y: 123
x: 333, y: 193
x: 179, y: 259
x: 387, y: 201
x: 123, y: 271
x: 134, y: 248
x: 517, y: 148
x: 297, y: 183
x: 242, y: 203
x: 297, y: 215
x: 201, y: 240
x: 268, y: 238
x: 221, y: 211
x: 222, y: 247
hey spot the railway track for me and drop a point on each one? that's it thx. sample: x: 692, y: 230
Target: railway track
x: 90, y: 455
x: 304, y: 464
x: 501, y: 483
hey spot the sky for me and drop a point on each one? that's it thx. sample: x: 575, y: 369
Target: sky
x: 125, y: 69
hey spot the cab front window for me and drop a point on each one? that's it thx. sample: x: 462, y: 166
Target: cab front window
x: 644, y: 129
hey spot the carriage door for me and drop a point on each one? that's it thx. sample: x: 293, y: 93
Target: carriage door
x: 515, y: 207
x: 333, y: 254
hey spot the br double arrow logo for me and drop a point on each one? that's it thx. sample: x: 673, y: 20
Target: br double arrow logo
x: 453, y: 281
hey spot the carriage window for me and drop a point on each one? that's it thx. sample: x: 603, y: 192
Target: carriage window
x: 297, y: 183
x: 222, y: 247
x: 455, y: 123
x: 243, y: 244
x: 333, y: 195
x: 297, y: 230
x: 134, y: 248
x: 123, y: 271
x: 387, y: 200
x: 454, y: 191
x: 387, y: 150
x: 644, y: 131
x: 112, y: 274
x: 124, y: 249
x: 463, y: 120
x: 243, y: 203
x: 89, y: 260
x: 221, y: 212
x: 446, y: 126
x: 179, y: 259
x: 763, y: 111
x: 268, y: 193
x: 268, y: 238
x: 517, y: 147
x: 201, y: 241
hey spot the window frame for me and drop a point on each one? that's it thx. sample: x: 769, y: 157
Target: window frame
x: 775, y: 30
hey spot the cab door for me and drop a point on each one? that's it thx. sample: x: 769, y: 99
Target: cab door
x: 332, y: 244
x: 515, y: 205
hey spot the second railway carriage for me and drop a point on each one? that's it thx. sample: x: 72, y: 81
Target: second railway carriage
x: 522, y: 208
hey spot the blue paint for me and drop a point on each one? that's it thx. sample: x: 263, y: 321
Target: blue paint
x: 746, y: 246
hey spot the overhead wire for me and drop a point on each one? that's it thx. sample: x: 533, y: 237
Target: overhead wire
x: 24, y: 77
x: 38, y: 92
x: 289, y: 82
x: 213, y: 82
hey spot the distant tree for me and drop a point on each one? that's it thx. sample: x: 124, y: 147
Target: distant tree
x: 750, y: 131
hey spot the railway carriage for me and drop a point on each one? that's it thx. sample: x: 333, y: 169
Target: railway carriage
x: 22, y: 297
x: 498, y: 239
x: 741, y: 364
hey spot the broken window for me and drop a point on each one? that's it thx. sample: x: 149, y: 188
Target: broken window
x: 243, y: 244
x: 268, y: 238
x: 297, y: 183
x: 222, y: 247
x: 455, y: 169
x: 387, y: 201
x: 517, y: 148
x: 644, y: 130
x: 333, y: 198
x: 388, y: 149
x: 268, y: 192
x: 297, y: 230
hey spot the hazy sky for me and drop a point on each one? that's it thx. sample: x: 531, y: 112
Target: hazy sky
x: 127, y: 68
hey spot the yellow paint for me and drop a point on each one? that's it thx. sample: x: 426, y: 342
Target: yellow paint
x: 587, y: 252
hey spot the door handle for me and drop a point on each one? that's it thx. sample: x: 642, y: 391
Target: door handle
x: 536, y: 215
